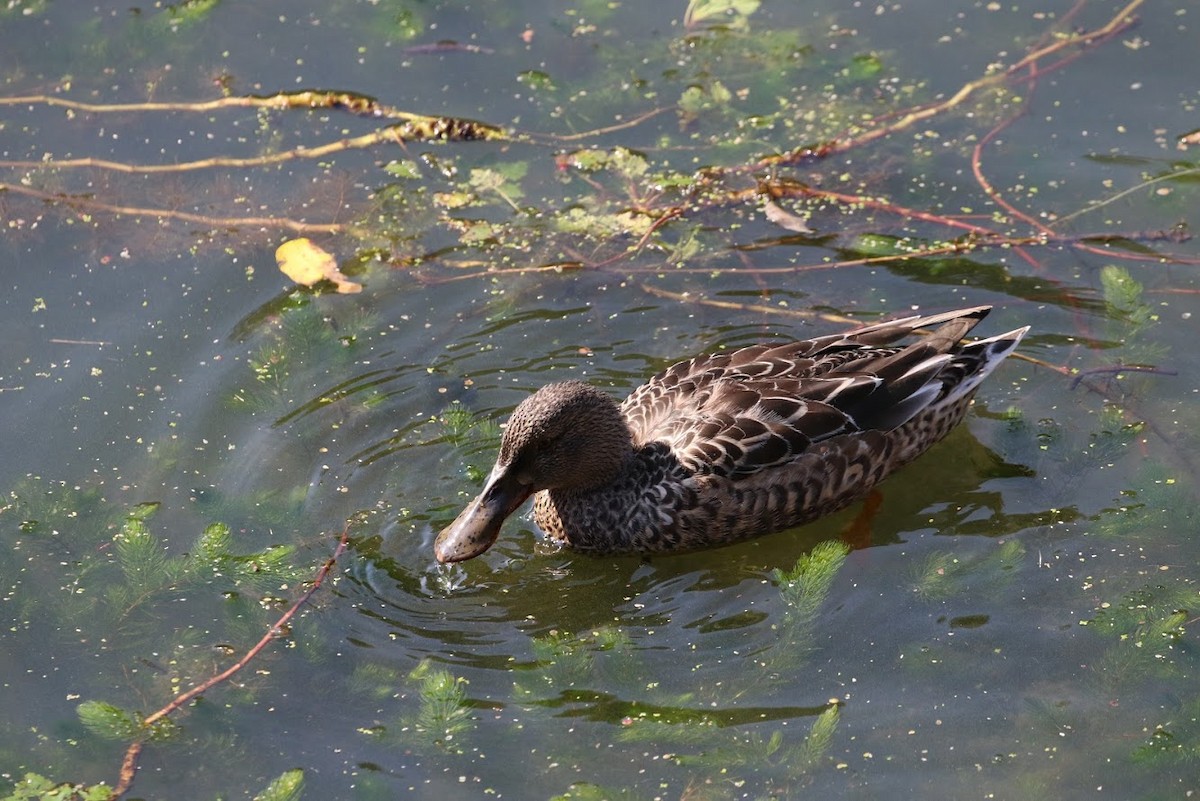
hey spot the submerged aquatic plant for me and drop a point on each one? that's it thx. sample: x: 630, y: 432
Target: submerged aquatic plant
x: 443, y: 716
x: 729, y: 753
x: 565, y: 662
x: 115, y: 573
x: 114, y: 723
x: 1149, y: 625
x: 1175, y: 741
x: 805, y: 587
x: 289, y: 786
x: 1124, y: 296
x: 35, y: 787
x: 946, y: 573
x: 709, y: 735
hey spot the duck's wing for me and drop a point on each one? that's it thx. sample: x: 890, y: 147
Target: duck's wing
x: 738, y: 413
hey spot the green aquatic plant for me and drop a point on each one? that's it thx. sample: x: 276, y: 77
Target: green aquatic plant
x: 443, y: 717
x: 190, y: 12
x: 115, y: 573
x: 1156, y: 655
x: 1175, y: 741
x: 462, y: 427
x: 1149, y: 627
x: 35, y: 787
x: 731, y: 752
x: 731, y: 13
x: 565, y: 662
x: 587, y: 791
x: 734, y: 91
x: 148, y: 570
x: 475, y: 434
x: 803, y: 590
x: 289, y: 786
x: 698, y: 99
x: 304, y: 342
x: 502, y: 180
x: 725, y: 744
x: 943, y: 574
x: 1132, y: 320
x: 111, y: 722
x: 1157, y: 501
x: 1125, y: 296
x: 377, y: 681
x: 111, y: 563
x: 805, y: 587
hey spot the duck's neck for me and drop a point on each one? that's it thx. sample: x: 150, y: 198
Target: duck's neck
x: 635, y: 511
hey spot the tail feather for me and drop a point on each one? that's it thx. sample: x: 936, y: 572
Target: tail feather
x: 976, y: 360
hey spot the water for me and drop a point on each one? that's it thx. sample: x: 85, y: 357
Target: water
x: 1017, y: 620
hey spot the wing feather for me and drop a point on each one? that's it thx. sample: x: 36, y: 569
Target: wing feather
x: 740, y: 412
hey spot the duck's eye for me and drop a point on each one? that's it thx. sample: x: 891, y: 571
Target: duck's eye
x: 522, y: 466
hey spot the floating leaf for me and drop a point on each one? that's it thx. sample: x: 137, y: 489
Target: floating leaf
x: 586, y: 791
x: 588, y: 160
x: 404, y: 168
x: 732, y: 12
x: 287, y: 787
x: 34, y: 786
x: 537, y: 80
x: 453, y: 200
x: 864, y: 66
x: 307, y: 264
x: 784, y: 218
x: 190, y: 11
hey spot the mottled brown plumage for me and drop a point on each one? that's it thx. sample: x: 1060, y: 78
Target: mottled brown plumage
x: 732, y: 445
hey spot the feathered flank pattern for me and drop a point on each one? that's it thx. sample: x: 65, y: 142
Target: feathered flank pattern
x: 731, y: 445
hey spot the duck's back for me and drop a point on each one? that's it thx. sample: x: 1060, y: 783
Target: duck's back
x: 775, y: 436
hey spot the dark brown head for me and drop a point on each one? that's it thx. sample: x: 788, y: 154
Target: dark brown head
x: 565, y: 436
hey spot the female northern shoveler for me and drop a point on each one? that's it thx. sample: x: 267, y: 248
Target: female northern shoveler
x: 732, y: 445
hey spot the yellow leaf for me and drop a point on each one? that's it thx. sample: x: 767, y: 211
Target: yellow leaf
x: 306, y: 264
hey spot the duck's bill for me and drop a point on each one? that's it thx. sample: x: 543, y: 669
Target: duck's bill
x: 477, y: 527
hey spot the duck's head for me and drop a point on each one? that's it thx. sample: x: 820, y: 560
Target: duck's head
x: 565, y: 436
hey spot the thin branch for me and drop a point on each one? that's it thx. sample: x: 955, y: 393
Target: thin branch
x: 356, y: 143
x: 1191, y: 171
x: 171, y: 214
x: 1118, y: 23
x: 362, y: 105
x: 1118, y: 369
x: 620, y: 126
x: 399, y: 133
x: 699, y: 300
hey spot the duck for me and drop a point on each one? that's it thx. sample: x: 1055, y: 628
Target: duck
x: 730, y: 445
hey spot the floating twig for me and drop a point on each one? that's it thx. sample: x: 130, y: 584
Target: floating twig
x: 436, y: 127
x: 1117, y: 369
x: 173, y: 214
